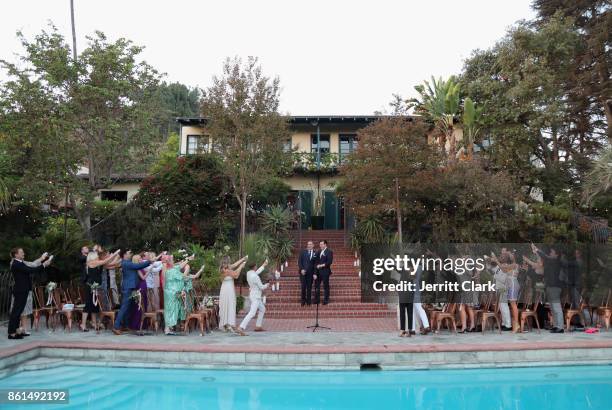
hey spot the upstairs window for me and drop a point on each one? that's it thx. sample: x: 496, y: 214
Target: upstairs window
x: 348, y: 144
x: 197, y: 144
x: 324, y: 139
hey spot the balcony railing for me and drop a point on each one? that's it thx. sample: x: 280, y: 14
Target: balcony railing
x: 307, y: 162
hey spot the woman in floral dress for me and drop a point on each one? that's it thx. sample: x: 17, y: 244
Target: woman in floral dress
x: 174, y: 292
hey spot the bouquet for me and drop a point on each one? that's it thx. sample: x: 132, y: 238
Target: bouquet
x: 136, y: 296
x: 50, y: 288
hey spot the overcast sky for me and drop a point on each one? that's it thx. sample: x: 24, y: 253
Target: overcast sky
x: 332, y: 57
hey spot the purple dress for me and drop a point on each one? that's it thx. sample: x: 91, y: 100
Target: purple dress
x: 135, y: 313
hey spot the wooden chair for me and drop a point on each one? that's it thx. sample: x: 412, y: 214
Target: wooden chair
x: 570, y: 312
x: 530, y: 312
x: 448, y: 315
x: 200, y: 314
x: 488, y: 314
x: 150, y: 312
x: 604, y: 311
x: 40, y: 307
x: 106, y: 308
x: 59, y: 313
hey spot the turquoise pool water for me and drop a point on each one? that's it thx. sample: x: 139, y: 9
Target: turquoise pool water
x: 558, y: 388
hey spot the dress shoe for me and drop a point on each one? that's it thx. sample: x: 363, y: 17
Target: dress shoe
x: 15, y: 337
x: 556, y: 330
x: 412, y: 333
x: 259, y: 329
x: 117, y: 332
x: 426, y: 331
x: 25, y: 334
x: 506, y: 329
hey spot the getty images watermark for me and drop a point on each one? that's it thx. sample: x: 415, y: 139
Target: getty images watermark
x: 466, y: 273
x: 412, y: 266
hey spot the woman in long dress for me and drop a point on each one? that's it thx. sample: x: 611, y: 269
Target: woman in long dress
x: 174, y: 292
x: 227, y: 295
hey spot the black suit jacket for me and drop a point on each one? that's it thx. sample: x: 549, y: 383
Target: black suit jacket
x: 22, y: 275
x: 305, y: 263
x: 326, y: 258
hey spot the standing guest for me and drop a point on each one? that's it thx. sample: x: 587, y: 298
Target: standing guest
x: 306, y: 264
x: 174, y: 291
x: 129, y: 283
x: 29, y: 306
x: 94, y: 268
x: 514, y: 289
x: 325, y: 258
x: 152, y: 278
x: 418, y: 307
x: 227, y: 295
x: 501, y: 289
x: 552, y: 270
x: 188, y: 279
x: 112, y: 282
x: 137, y: 308
x: 22, y: 287
x: 574, y: 266
x: 256, y: 288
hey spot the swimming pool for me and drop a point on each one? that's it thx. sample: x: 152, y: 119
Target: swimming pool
x: 558, y: 388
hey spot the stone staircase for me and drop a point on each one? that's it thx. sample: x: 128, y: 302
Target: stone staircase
x: 345, y: 286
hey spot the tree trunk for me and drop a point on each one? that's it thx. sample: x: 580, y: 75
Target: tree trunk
x: 83, y: 215
x: 398, y: 212
x: 242, y: 200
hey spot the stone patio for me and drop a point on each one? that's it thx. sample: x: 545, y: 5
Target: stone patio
x: 305, y: 350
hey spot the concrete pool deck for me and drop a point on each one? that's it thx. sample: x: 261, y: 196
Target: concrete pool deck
x: 305, y: 350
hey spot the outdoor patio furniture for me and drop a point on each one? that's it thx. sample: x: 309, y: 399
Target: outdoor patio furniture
x: 60, y: 313
x: 40, y: 308
x: 604, y: 311
x: 106, y: 308
x: 530, y: 312
x: 447, y: 315
x: 571, y: 312
x: 200, y: 314
x: 150, y: 313
x: 489, y: 314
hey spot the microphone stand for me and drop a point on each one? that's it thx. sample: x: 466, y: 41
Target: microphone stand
x: 316, y: 325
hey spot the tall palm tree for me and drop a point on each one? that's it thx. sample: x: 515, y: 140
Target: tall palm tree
x: 599, y: 179
x: 439, y: 103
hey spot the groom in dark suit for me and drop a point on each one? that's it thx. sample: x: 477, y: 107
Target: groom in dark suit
x: 306, y: 264
x: 323, y: 272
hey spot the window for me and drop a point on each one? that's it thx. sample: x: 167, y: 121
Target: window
x: 287, y: 146
x: 348, y: 144
x: 120, y: 196
x: 197, y: 144
x: 324, y: 139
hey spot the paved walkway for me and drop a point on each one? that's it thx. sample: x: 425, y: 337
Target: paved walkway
x: 302, y: 342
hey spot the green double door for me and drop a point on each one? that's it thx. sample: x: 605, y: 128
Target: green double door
x: 332, y: 209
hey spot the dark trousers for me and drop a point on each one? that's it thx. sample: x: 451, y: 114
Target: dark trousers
x: 124, y: 310
x: 322, y: 277
x: 306, y: 282
x: 19, y: 302
x: 405, y: 309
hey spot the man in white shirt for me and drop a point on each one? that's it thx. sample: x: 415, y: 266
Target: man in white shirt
x: 256, y: 288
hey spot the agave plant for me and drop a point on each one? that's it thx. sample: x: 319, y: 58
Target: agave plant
x: 276, y: 221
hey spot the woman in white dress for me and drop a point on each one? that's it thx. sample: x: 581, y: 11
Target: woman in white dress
x: 227, y: 295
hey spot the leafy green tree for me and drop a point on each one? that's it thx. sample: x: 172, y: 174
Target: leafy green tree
x: 167, y: 154
x: 100, y: 112
x: 527, y: 116
x: 177, y: 100
x: 590, y: 87
x: 599, y: 179
x: 247, y: 128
